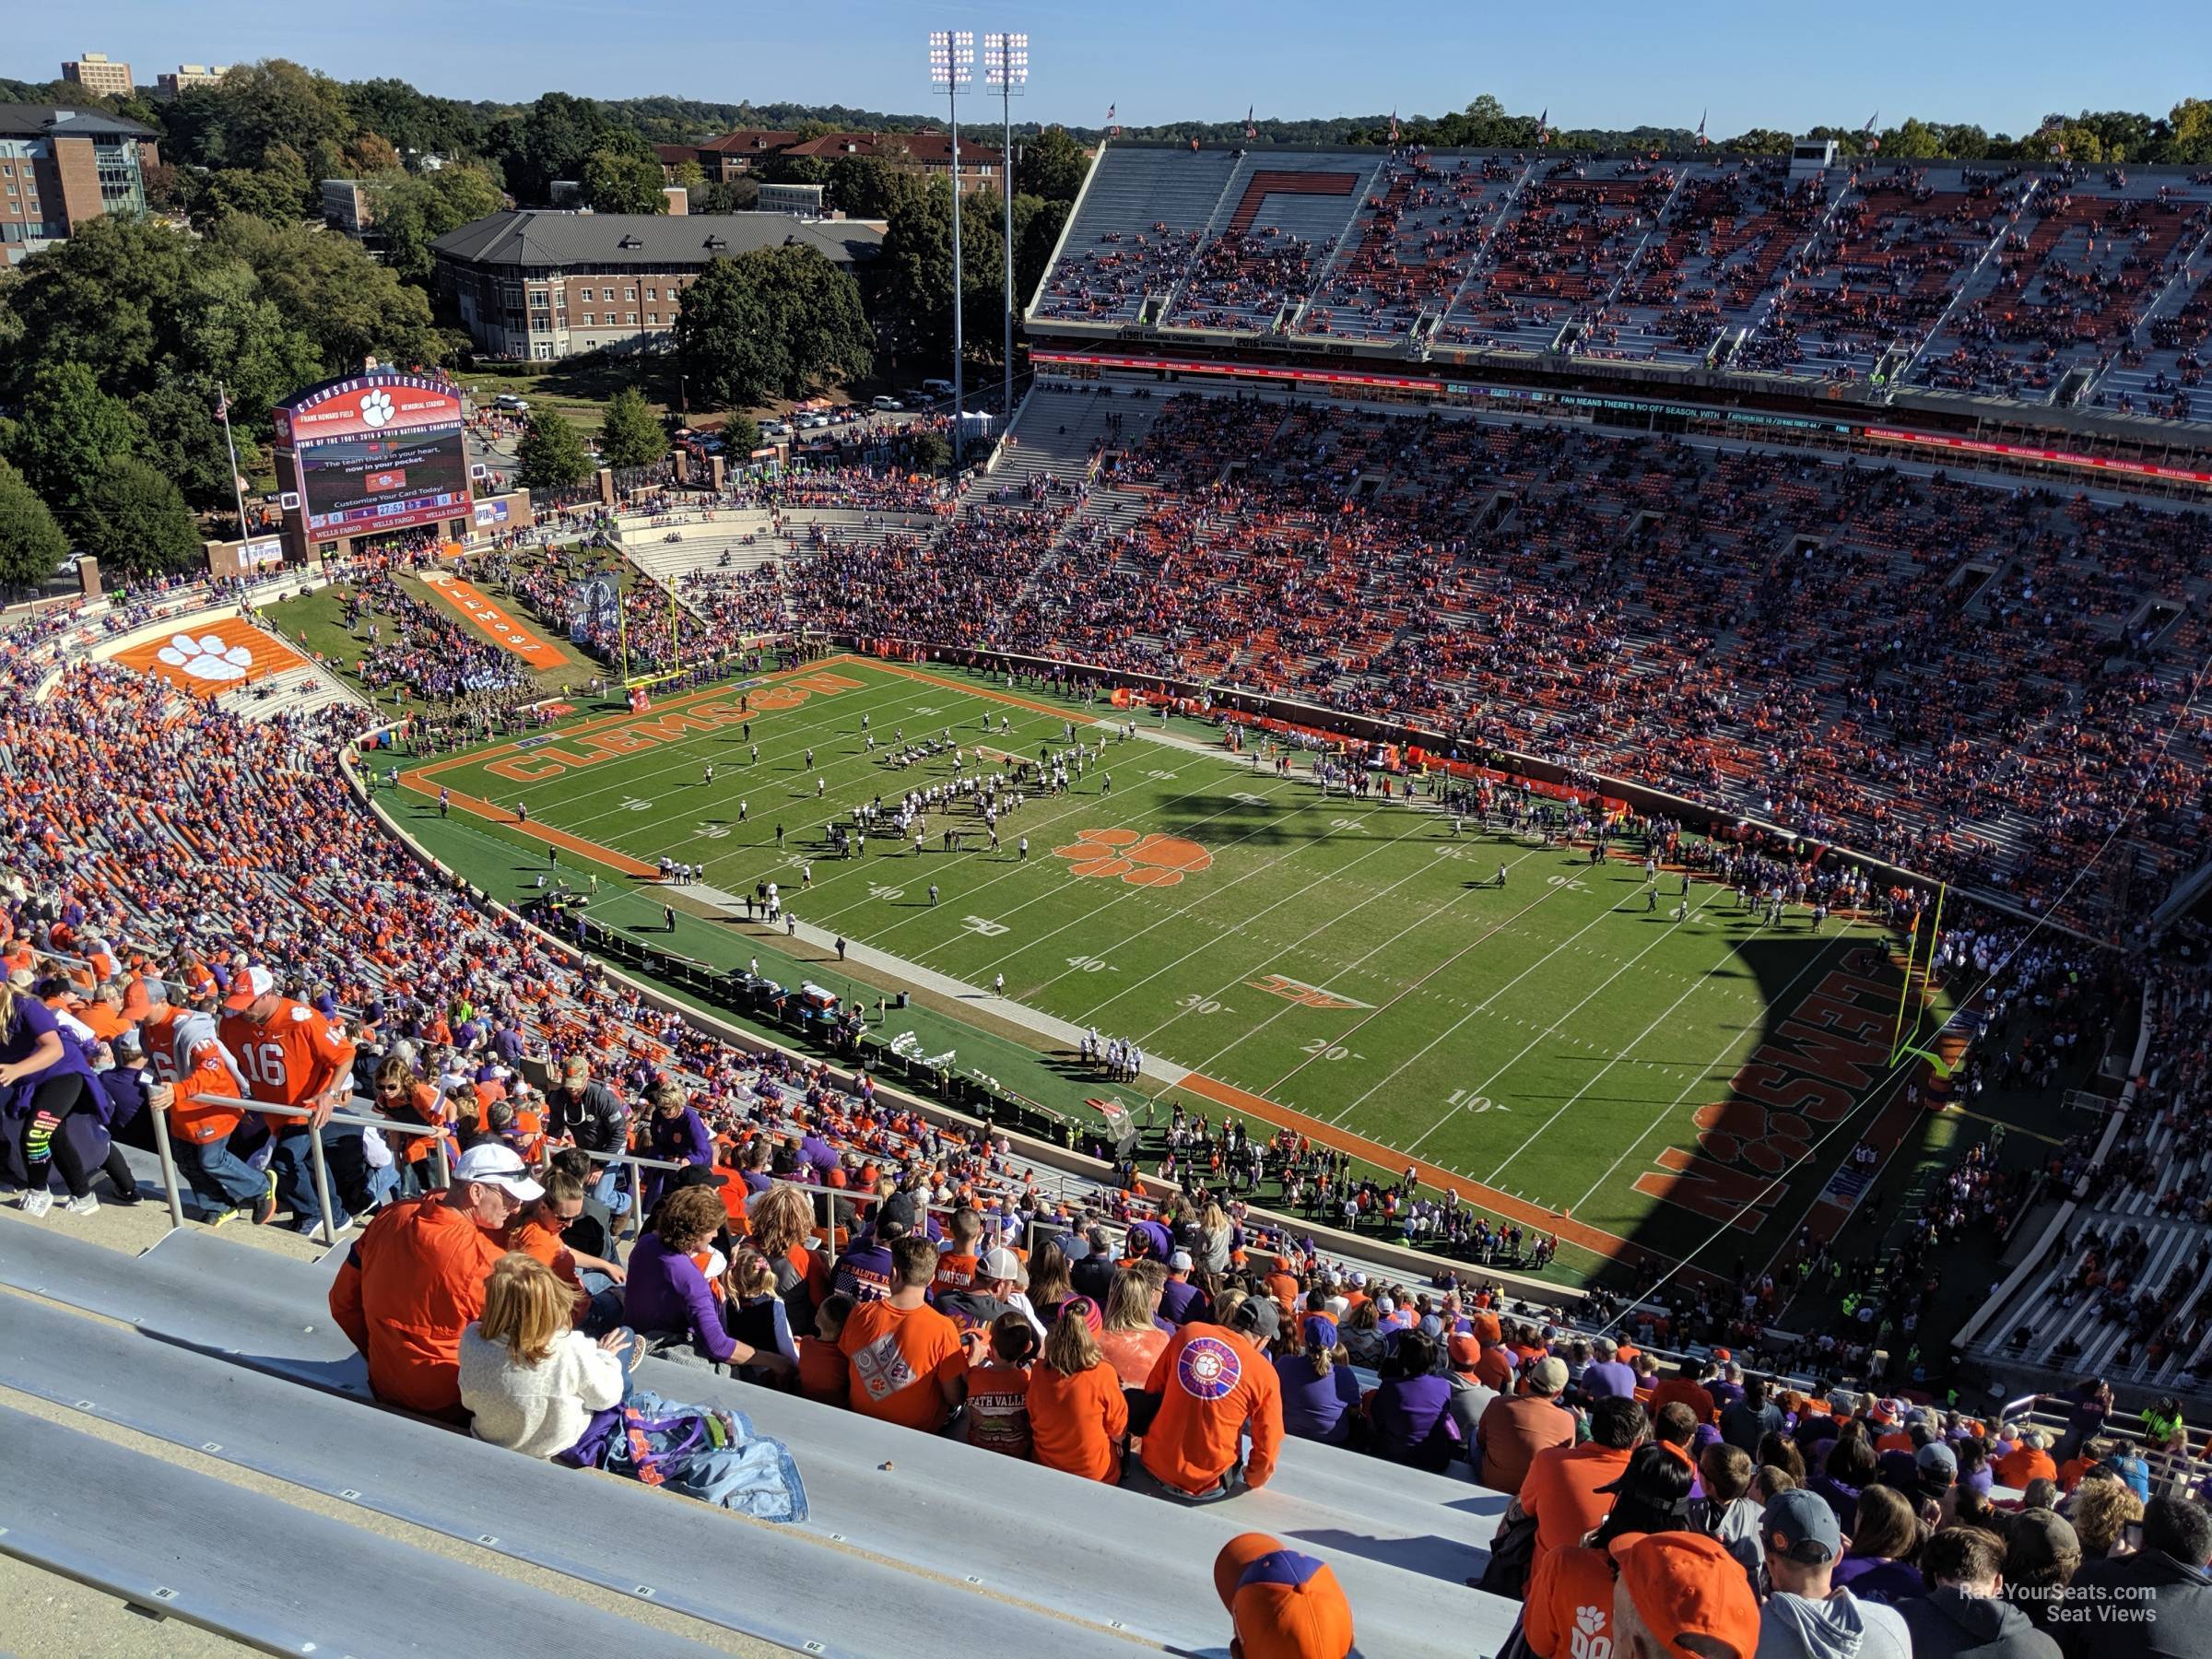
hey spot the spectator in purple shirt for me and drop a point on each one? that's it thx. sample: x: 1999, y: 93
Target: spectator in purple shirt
x: 864, y: 1272
x: 1179, y: 1300
x: 1411, y: 1416
x: 1607, y: 1376
x: 676, y: 1132
x: 665, y: 1299
x: 1321, y: 1393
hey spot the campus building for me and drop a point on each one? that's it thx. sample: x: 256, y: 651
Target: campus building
x: 539, y: 285
x: 59, y: 168
x: 100, y: 75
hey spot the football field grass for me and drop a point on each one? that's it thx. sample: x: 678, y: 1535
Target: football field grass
x: 1356, y: 969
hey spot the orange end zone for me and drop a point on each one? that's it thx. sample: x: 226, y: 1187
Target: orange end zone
x: 620, y: 863
x: 216, y: 657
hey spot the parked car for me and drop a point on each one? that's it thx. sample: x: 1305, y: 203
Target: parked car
x: 888, y: 404
x: 937, y: 388
x: 509, y: 401
x: 774, y: 428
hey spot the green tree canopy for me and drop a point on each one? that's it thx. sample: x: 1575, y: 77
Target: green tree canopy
x: 773, y: 322
x: 71, y: 433
x: 1052, y: 165
x: 412, y: 211
x: 630, y: 435
x: 551, y: 454
x: 135, y: 518
x: 618, y: 180
x: 275, y: 103
x: 31, y: 544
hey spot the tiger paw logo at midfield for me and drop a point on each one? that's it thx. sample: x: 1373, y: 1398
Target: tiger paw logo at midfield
x: 1139, y: 859
x: 205, y: 658
x: 376, y: 409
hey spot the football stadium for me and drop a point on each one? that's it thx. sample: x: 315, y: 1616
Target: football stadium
x: 1500, y: 925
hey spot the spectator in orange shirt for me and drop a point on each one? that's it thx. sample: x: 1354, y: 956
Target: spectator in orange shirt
x: 414, y: 1281
x: 1512, y: 1429
x: 1566, y: 1488
x: 821, y: 1361
x: 1570, y: 1599
x: 1210, y: 1384
x: 1133, y: 1339
x: 1077, y: 1416
x: 2027, y: 1461
x: 1688, y: 1385
x: 904, y: 1361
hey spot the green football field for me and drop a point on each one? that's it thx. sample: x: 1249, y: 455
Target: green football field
x: 1354, y: 968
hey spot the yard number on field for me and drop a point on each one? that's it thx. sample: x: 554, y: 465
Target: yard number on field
x: 1091, y: 964
x: 1202, y: 1005
x: 1473, y: 1102
x: 887, y: 894
x: 1321, y: 1048
x: 984, y: 925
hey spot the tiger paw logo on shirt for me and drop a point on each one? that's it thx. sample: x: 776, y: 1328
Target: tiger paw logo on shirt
x: 1208, y: 1367
x: 1585, y: 1640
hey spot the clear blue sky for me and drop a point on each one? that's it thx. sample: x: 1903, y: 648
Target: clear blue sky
x: 1601, y: 62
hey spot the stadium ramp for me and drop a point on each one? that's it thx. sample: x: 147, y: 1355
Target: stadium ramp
x: 883, y: 1501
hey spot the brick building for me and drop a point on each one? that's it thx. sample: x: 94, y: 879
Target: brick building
x: 186, y: 76
x: 740, y: 154
x: 538, y: 285
x: 59, y: 168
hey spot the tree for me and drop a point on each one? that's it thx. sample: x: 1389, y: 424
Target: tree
x: 411, y: 211
x: 31, y: 544
x: 615, y: 181
x: 70, y: 434
x: 135, y: 518
x: 1037, y: 226
x: 629, y: 435
x: 740, y: 194
x: 2191, y: 126
x: 549, y: 141
x: 859, y: 187
x: 742, y: 433
x: 277, y: 191
x: 931, y: 452
x: 773, y: 322
x: 327, y: 289
x: 914, y: 272
x: 184, y: 443
x: 551, y: 454
x: 104, y: 299
x: 370, y: 154
x: 1052, y: 166
x: 276, y: 103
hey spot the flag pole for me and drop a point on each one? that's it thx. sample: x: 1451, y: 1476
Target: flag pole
x: 222, y: 408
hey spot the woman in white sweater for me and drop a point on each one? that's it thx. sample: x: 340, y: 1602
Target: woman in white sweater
x: 533, y: 1382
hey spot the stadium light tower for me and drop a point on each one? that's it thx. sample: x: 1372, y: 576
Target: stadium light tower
x: 952, y: 66
x: 1007, y: 66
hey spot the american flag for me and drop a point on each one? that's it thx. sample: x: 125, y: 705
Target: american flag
x: 1250, y: 131
x: 1544, y: 126
x: 1874, y: 144
x: 1394, y: 126
x: 222, y: 404
x: 1702, y: 140
x: 1112, y: 128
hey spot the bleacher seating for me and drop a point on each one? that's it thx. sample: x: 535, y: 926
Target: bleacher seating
x: 1991, y: 281
x: 883, y: 1499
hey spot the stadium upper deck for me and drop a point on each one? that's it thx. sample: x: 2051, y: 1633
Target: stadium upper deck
x: 2040, y: 286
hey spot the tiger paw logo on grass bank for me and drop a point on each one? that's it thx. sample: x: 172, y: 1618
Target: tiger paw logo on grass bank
x: 209, y: 658
x: 1139, y: 859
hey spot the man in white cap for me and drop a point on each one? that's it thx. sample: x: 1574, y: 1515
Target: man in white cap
x: 415, y: 1279
x: 290, y: 1055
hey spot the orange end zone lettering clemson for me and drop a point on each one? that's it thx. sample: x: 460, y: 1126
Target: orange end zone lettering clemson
x: 670, y: 726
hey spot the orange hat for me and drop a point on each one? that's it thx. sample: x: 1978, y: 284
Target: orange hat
x: 1488, y: 1331
x: 1283, y: 1604
x: 1722, y: 1356
x: 1688, y: 1585
x: 1466, y: 1352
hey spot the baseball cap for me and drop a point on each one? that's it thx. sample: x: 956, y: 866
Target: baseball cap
x: 1259, y: 1316
x: 2037, y: 1539
x: 1000, y: 1264
x: 1799, y: 1525
x: 1548, y: 1375
x: 1319, y: 1331
x: 249, y: 988
x: 498, y: 1166
x: 1935, y: 1458
x: 1466, y: 1352
x: 897, y: 1211
x: 1180, y: 1262
x: 1684, y: 1583
x: 1282, y: 1602
x: 1488, y: 1331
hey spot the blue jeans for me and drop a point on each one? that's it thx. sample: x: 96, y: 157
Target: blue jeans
x: 613, y: 1190
x: 218, y: 1176
x: 295, y: 1170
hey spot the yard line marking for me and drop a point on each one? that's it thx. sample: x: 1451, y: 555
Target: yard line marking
x: 1548, y: 893
x: 1483, y: 1087
x: 1675, y: 1104
x: 1420, y: 822
x: 1297, y: 944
